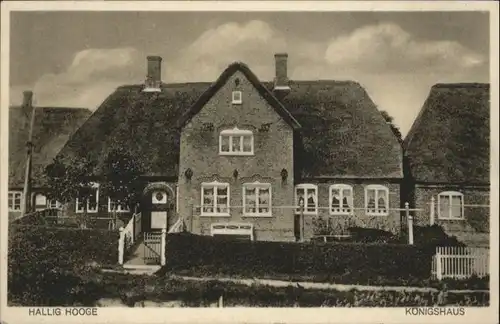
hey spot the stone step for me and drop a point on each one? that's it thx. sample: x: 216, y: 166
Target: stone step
x: 141, y: 267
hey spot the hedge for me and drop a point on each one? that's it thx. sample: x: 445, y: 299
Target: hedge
x: 352, y: 262
x: 43, y: 259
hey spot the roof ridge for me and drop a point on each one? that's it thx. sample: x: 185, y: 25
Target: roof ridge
x: 462, y: 85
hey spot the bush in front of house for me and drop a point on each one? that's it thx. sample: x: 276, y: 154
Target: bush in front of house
x: 45, y: 263
x: 353, y: 263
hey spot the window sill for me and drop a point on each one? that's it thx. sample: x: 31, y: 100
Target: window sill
x: 257, y: 215
x: 14, y: 210
x: 236, y: 154
x: 451, y: 219
x: 341, y: 214
x: 237, y: 102
x: 119, y: 211
x: 307, y: 213
x: 88, y: 212
x: 215, y: 215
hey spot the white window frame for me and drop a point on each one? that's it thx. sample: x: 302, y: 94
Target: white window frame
x: 89, y: 210
x: 343, y: 210
x: 237, y: 97
x: 53, y: 202
x: 377, y: 212
x: 12, y: 198
x: 257, y: 186
x: 451, y: 194
x: 232, y: 229
x: 214, y: 185
x: 119, y: 208
x: 236, y: 134
x: 307, y: 187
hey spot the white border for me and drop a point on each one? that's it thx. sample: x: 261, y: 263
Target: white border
x: 341, y: 187
x: 307, y: 187
x: 214, y: 185
x: 256, y: 315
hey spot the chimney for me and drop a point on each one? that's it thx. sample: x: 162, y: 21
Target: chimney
x: 153, y: 78
x: 27, y: 99
x: 281, y: 78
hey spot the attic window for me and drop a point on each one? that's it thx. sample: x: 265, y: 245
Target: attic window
x: 236, y: 142
x: 236, y: 97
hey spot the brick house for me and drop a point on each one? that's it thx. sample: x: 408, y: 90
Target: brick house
x: 52, y: 128
x: 447, y: 161
x: 260, y: 159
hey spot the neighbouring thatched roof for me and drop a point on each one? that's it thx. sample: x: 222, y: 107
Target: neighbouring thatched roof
x: 340, y: 130
x: 53, y: 127
x: 450, y: 139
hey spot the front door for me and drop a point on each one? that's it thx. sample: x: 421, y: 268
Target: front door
x: 159, y: 207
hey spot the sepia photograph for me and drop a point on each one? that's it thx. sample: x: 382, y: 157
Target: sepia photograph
x: 248, y: 158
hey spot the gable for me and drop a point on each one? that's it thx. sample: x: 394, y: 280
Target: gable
x: 253, y: 80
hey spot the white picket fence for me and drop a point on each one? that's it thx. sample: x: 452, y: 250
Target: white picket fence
x: 460, y: 262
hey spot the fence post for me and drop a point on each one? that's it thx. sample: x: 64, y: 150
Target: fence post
x: 433, y: 210
x: 409, y: 218
x: 163, y: 246
x: 439, y: 274
x: 121, y: 246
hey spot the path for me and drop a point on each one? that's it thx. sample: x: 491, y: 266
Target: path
x: 319, y: 285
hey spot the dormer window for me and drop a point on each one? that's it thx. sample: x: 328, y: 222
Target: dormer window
x: 236, y: 142
x: 236, y: 97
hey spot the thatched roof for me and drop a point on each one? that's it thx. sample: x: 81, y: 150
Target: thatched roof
x: 449, y: 141
x: 339, y: 130
x: 53, y: 127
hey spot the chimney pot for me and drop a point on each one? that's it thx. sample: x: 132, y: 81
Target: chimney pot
x: 27, y: 98
x: 281, y: 77
x: 153, y: 78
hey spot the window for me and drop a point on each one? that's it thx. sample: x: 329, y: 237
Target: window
x: 40, y: 200
x: 92, y: 201
x: 308, y: 195
x: 341, y: 199
x: 233, y: 230
x: 215, y: 199
x: 236, y: 97
x: 376, y: 200
x: 257, y: 199
x: 119, y: 208
x: 15, y: 200
x: 451, y: 205
x: 53, y: 204
x: 236, y: 142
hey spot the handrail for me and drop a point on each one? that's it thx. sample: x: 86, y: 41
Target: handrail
x: 128, y: 230
x: 178, y: 226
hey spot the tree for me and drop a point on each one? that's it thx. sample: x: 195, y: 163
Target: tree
x: 395, y: 129
x: 122, y: 178
x: 68, y: 179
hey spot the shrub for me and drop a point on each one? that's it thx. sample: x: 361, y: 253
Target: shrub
x: 45, y: 262
x: 352, y: 262
x: 429, y: 237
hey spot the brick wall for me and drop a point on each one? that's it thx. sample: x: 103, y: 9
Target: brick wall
x: 477, y: 219
x: 273, y: 151
x: 391, y: 222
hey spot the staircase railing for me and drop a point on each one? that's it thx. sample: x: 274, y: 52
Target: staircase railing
x: 178, y: 226
x: 128, y: 236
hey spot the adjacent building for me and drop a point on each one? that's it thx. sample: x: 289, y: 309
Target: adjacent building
x: 52, y: 128
x: 447, y: 155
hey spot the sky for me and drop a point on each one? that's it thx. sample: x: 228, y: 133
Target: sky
x: 76, y: 59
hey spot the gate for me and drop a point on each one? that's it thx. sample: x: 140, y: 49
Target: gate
x: 152, y: 247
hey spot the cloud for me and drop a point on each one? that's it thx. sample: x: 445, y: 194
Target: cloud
x: 386, y: 47
x: 396, y: 68
x: 209, y: 54
x: 87, y: 81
